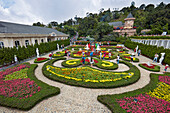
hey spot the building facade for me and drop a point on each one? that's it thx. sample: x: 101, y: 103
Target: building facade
x: 125, y: 28
x: 12, y: 34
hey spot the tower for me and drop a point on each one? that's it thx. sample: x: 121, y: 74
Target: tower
x: 129, y: 21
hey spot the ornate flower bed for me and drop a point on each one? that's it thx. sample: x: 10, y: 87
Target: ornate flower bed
x: 58, y: 54
x: 39, y: 60
x: 89, y: 77
x: 19, y: 88
x: 152, y: 67
x: 155, y: 98
x: 128, y: 58
x: 97, y: 62
x: 87, y: 74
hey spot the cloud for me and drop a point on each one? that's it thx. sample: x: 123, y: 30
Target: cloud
x: 31, y: 11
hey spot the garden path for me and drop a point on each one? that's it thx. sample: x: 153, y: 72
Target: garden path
x: 77, y: 99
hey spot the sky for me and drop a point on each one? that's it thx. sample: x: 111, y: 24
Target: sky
x: 45, y: 11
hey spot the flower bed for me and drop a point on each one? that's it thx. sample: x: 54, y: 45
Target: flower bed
x: 40, y: 60
x: 89, y: 77
x: 154, y: 68
x: 23, y: 93
x: 58, y: 54
x: 71, y: 63
x: 165, y: 79
x: 154, y: 97
x: 128, y: 58
x: 144, y: 104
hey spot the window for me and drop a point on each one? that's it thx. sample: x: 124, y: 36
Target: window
x: 26, y: 43
x: 17, y: 43
x: 1, y: 45
x: 49, y: 40
x: 36, y: 41
x: 42, y: 40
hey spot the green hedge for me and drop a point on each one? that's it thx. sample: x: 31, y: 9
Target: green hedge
x: 28, y: 103
x: 150, y: 37
x: 78, y: 63
x: 150, y: 51
x: 122, y: 82
x: 35, y: 61
x: 7, y: 54
x: 156, y: 69
x: 110, y: 100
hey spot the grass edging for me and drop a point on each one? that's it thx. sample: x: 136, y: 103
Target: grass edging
x: 122, y: 82
x: 110, y: 100
x: 28, y: 103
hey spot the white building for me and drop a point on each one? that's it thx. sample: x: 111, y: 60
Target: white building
x: 12, y: 34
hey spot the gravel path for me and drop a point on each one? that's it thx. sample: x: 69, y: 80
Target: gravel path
x: 77, y: 99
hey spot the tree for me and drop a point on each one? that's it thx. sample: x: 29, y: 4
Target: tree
x: 142, y: 7
x: 38, y: 24
x: 103, y: 28
x: 139, y: 29
x: 149, y: 7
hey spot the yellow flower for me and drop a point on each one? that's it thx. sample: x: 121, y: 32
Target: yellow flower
x: 108, y: 64
x: 73, y: 61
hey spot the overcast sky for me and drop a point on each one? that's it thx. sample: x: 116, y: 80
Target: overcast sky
x: 31, y: 11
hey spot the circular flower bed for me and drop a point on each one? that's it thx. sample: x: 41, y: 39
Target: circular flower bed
x: 152, y: 67
x: 39, y: 60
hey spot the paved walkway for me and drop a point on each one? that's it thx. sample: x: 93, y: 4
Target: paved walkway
x: 77, y: 99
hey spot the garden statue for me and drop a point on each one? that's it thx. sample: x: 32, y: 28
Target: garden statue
x: 137, y: 49
x: 58, y: 47
x: 148, y: 64
x: 162, y: 58
x: 87, y: 47
x: 72, y: 49
x: 37, y: 51
x: 98, y: 48
x: 80, y: 49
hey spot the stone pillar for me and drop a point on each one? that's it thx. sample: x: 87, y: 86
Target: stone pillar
x: 167, y: 45
x: 162, y: 44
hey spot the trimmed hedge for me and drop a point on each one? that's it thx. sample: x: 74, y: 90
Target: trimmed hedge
x: 28, y: 103
x: 150, y: 37
x: 110, y: 100
x: 122, y: 82
x: 35, y: 61
x: 156, y: 69
x: 22, y: 53
x: 78, y: 63
x: 150, y: 51
x: 61, y: 55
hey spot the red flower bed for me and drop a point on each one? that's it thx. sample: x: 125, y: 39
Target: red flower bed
x: 127, y: 57
x: 144, y: 104
x: 20, y: 88
x: 152, y: 66
x: 119, y: 47
x: 87, y: 60
x: 41, y: 59
x: 165, y: 79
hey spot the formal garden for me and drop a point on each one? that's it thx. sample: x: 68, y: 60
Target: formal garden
x: 20, y: 88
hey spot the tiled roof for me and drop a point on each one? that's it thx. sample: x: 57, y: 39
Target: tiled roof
x: 130, y: 15
x: 119, y: 23
x: 26, y: 29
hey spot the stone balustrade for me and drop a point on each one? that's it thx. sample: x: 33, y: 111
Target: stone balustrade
x: 156, y: 42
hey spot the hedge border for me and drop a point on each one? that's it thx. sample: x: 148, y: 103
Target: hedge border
x: 28, y: 103
x: 110, y: 100
x: 35, y: 61
x: 121, y: 83
x: 156, y: 69
x: 136, y: 59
